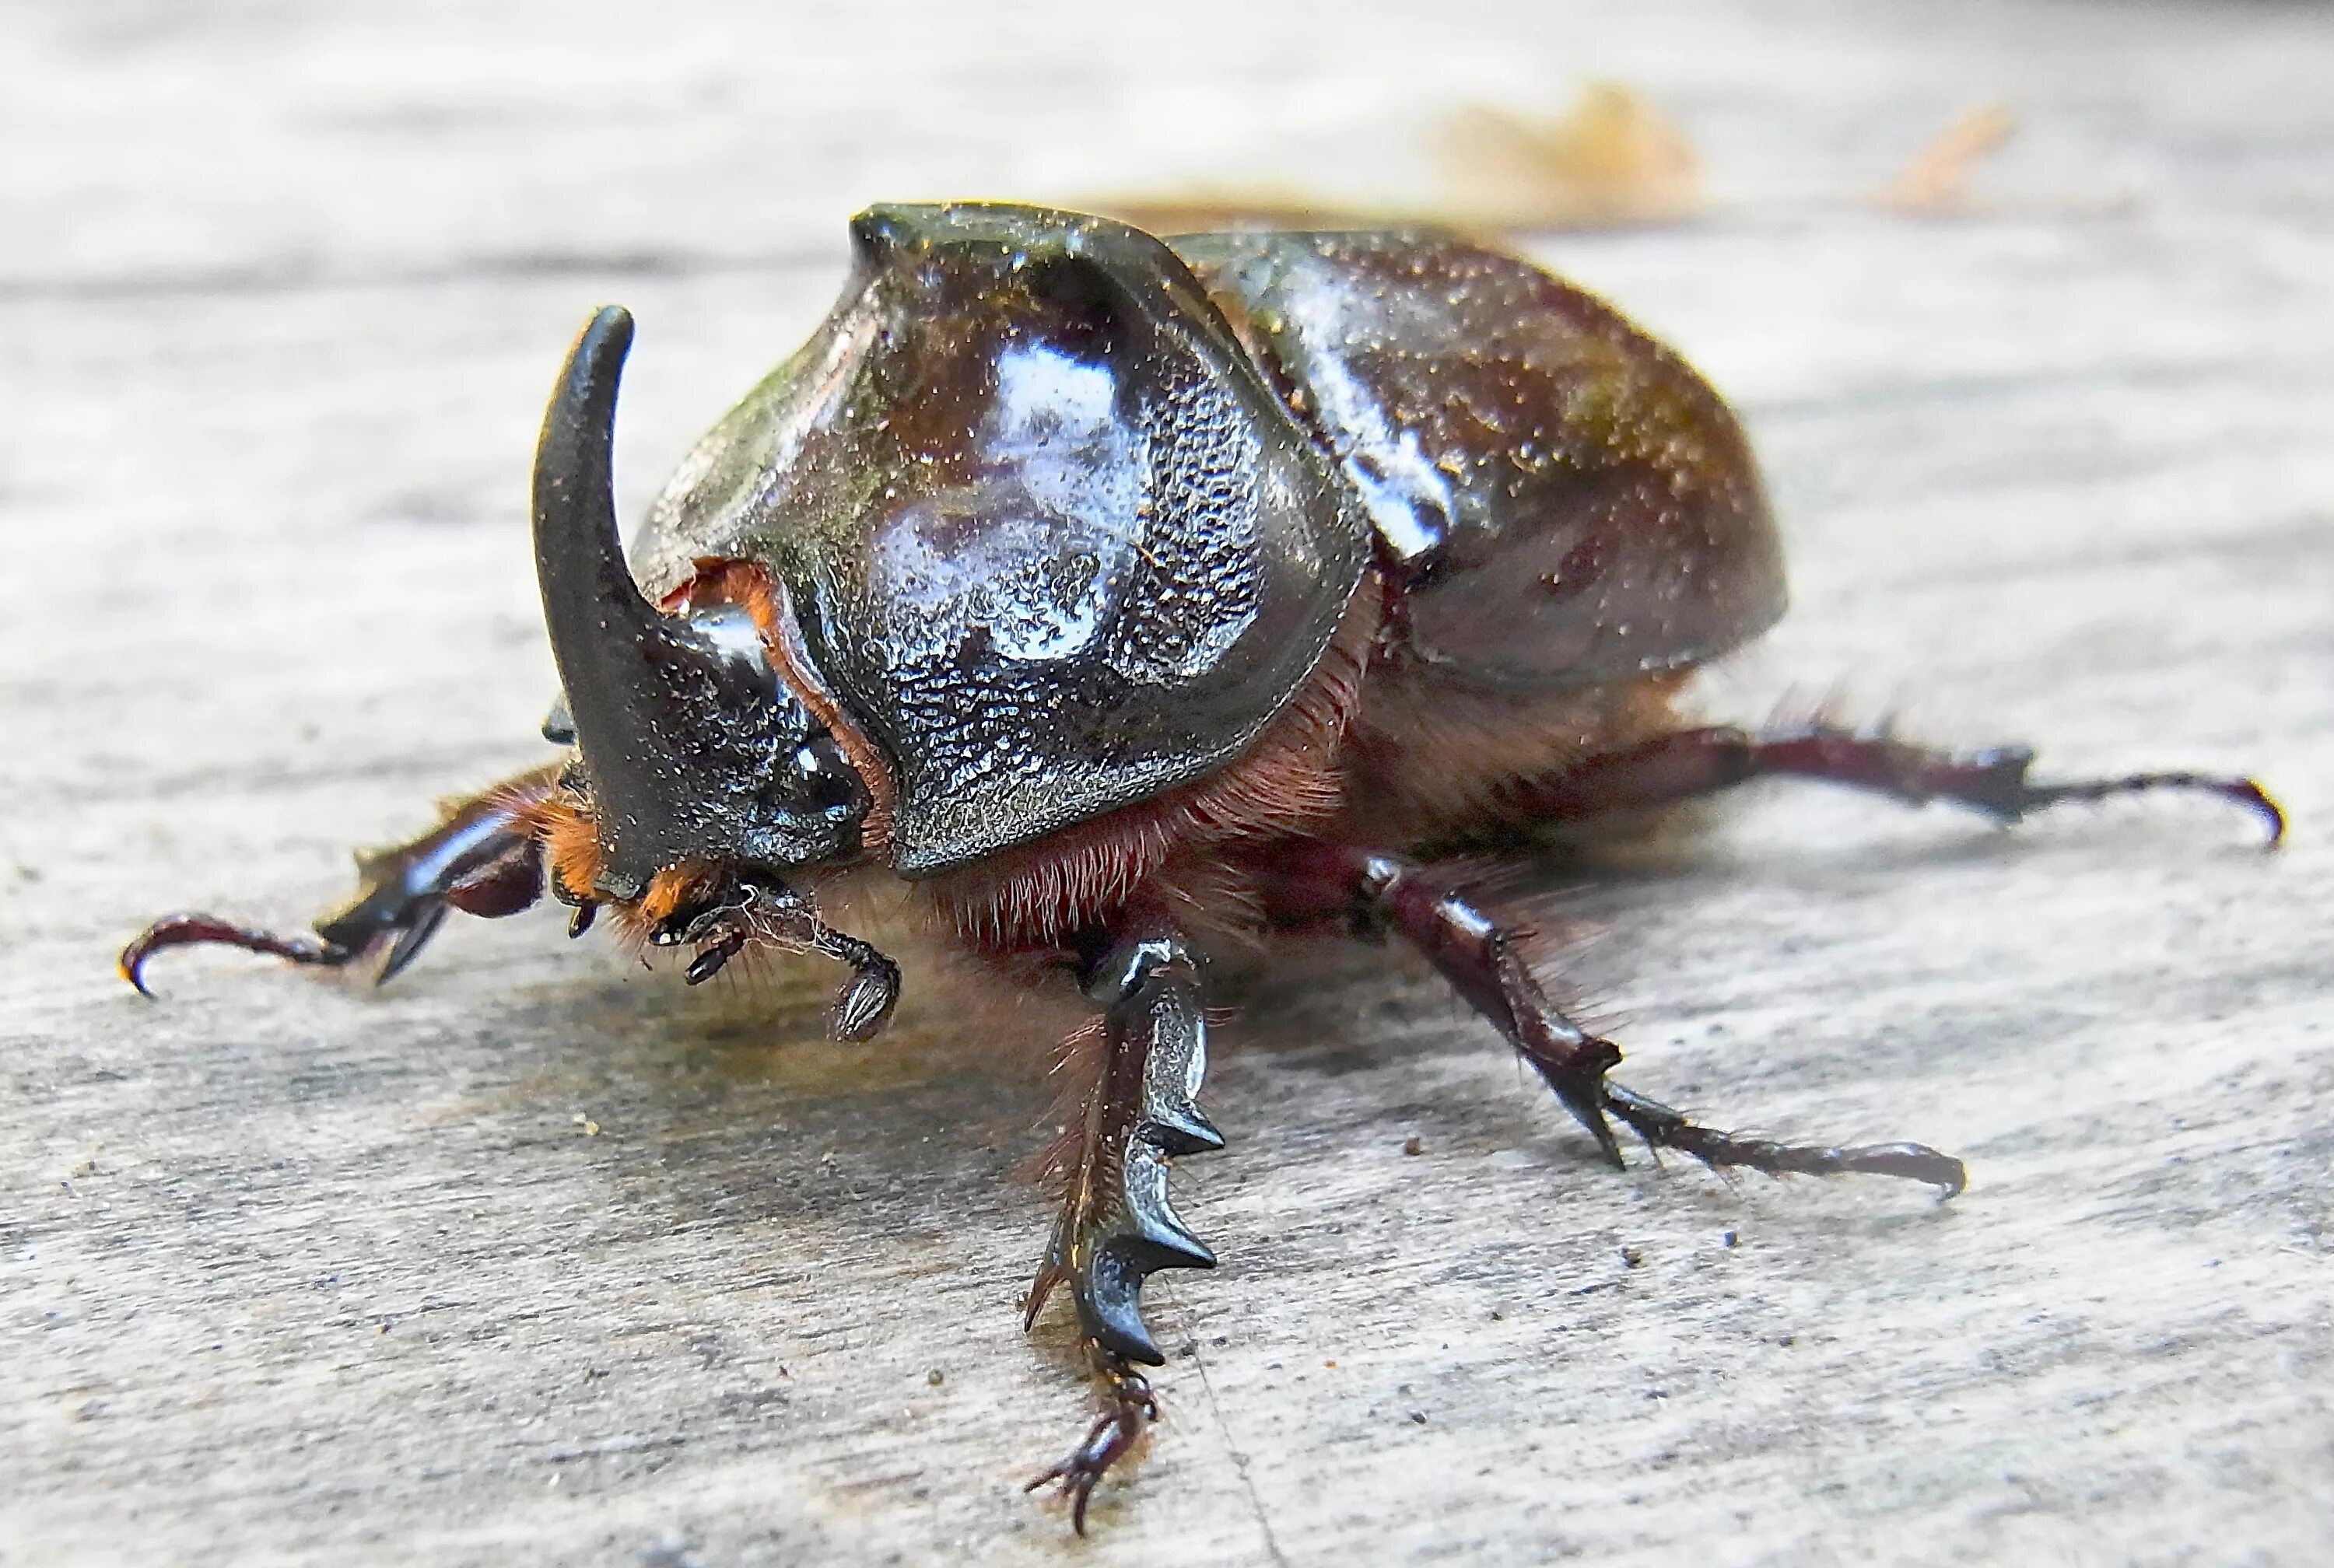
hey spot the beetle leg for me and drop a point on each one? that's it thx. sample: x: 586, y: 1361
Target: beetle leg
x: 1992, y: 780
x: 1311, y: 881
x: 741, y: 910
x: 1663, y: 1127
x: 861, y: 1008
x: 1116, y: 1227
x: 484, y: 860
x: 1130, y: 1408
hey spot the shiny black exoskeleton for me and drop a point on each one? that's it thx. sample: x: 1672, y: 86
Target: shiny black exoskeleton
x: 1129, y: 597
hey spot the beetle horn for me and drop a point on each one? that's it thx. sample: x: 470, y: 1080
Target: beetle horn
x: 615, y: 651
x: 605, y: 637
x: 594, y: 608
x: 687, y: 735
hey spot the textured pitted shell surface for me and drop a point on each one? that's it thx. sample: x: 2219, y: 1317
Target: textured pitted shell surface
x: 1568, y: 501
x: 1050, y: 538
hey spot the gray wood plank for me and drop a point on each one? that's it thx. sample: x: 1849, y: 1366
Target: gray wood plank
x: 297, y: 1272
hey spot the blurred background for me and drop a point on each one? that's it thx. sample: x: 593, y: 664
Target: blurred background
x: 2028, y: 308
x: 2107, y: 218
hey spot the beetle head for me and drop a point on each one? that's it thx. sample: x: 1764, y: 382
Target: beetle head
x: 693, y: 746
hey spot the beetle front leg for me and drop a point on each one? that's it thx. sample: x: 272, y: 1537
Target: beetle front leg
x: 1993, y: 781
x: 740, y: 910
x: 484, y: 860
x: 1116, y: 1227
x: 1310, y: 882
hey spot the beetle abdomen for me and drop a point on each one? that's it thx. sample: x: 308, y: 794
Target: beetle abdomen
x: 1050, y: 537
x: 1564, y: 500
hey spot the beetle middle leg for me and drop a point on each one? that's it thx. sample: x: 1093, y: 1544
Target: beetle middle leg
x: 484, y: 860
x: 1994, y: 781
x: 1115, y: 1226
x: 1312, y: 882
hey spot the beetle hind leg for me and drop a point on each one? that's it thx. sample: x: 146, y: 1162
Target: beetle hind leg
x: 1313, y: 881
x: 1993, y: 781
x: 485, y: 859
x: 1116, y: 1227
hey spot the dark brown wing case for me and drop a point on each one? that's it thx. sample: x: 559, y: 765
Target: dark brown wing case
x: 1050, y: 537
x: 1568, y: 501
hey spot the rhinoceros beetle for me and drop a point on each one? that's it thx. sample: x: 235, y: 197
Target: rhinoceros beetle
x: 1133, y: 597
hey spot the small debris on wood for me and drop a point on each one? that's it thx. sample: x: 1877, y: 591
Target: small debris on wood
x: 1610, y: 159
x: 1937, y: 177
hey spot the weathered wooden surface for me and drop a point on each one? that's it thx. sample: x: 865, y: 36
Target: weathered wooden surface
x: 298, y: 1273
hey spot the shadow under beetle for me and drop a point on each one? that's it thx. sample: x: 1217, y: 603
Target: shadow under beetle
x: 1130, y: 597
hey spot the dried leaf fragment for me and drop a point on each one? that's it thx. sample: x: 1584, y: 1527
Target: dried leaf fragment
x: 1937, y: 177
x: 1611, y: 158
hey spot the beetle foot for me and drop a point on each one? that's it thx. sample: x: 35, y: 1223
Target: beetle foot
x: 1589, y: 1096
x: 341, y: 940
x: 484, y: 860
x: 1991, y: 781
x: 1131, y: 1407
x: 1577, y: 1072
x: 2243, y: 792
x: 1663, y: 1127
x: 192, y: 931
x: 865, y: 1001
